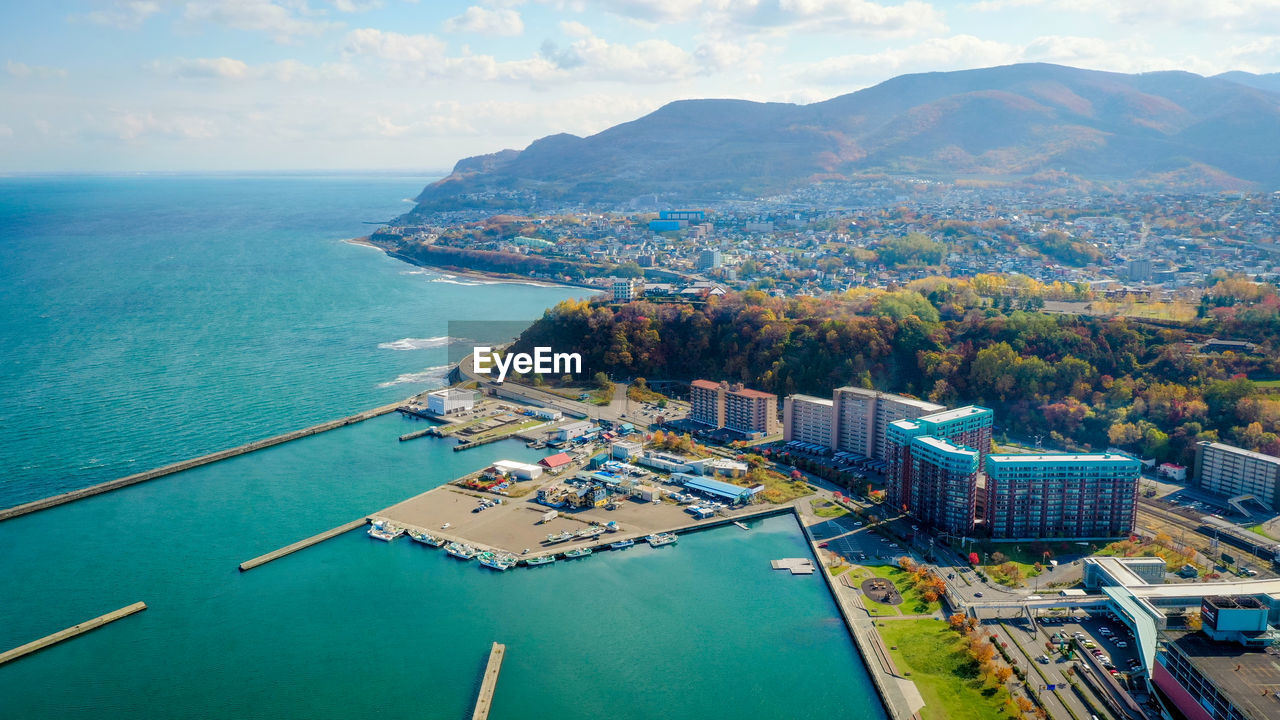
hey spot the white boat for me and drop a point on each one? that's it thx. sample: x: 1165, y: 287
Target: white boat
x: 385, y: 531
x: 661, y: 539
x: 540, y: 560
x: 591, y: 532
x: 425, y: 538
x: 622, y: 544
x: 496, y: 561
x: 460, y: 551
x: 560, y: 537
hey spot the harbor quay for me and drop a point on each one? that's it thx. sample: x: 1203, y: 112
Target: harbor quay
x: 516, y: 526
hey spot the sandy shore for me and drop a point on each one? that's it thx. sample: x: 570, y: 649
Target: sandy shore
x: 474, y: 275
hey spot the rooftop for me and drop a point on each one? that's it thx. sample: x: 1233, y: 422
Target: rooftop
x: 755, y: 394
x: 1239, y: 674
x: 946, y: 445
x: 812, y: 399
x: 956, y: 414
x: 1064, y: 458
x: 706, y: 384
x: 1241, y: 451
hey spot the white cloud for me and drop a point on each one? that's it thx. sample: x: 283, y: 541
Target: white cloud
x: 126, y: 15
x: 224, y: 68
x: 23, y: 70
x: 284, y: 21
x: 912, y: 17
x: 139, y: 125
x: 950, y: 53
x: 394, y: 46
x: 485, y: 21
x: 6, y: 132
x: 356, y: 6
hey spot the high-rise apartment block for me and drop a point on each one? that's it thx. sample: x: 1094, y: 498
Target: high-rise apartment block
x: 1061, y: 495
x: 1232, y: 471
x: 721, y: 405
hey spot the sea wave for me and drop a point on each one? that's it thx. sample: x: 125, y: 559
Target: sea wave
x: 451, y: 281
x: 415, y: 343
x: 432, y: 375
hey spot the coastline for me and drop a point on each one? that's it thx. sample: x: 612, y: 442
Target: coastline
x: 456, y: 273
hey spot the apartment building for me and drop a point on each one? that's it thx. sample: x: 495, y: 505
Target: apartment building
x: 861, y: 418
x: 943, y: 488
x: 968, y: 427
x: 1232, y: 471
x: 721, y: 405
x: 1061, y: 495
x: 808, y: 419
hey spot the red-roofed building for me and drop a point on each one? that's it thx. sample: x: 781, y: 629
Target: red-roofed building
x: 555, y: 462
x: 733, y: 406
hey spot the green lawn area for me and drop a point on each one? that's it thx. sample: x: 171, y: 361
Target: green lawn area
x: 941, y: 668
x: 993, y: 571
x: 1269, y: 385
x: 1261, y: 531
x: 913, y: 603
x: 827, y: 509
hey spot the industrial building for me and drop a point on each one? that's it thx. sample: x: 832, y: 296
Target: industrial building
x: 450, y: 401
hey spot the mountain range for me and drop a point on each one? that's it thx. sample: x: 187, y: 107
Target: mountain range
x: 1010, y: 123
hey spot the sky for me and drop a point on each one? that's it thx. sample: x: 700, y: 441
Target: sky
x: 233, y: 85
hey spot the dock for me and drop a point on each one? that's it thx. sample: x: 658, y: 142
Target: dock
x: 73, y: 631
x: 295, y: 547
x: 420, y: 433
x: 489, y: 682
x: 741, y: 525
x: 797, y: 566
x: 126, y: 481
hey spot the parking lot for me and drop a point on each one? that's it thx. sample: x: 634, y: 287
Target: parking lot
x: 850, y: 538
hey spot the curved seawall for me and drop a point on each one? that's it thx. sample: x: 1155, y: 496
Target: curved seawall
x: 128, y: 480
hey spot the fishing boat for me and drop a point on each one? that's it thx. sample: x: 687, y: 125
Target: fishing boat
x: 591, y: 532
x: 622, y: 544
x: 560, y: 537
x: 540, y: 560
x: 577, y: 553
x: 460, y: 551
x: 385, y: 531
x: 497, y: 561
x: 661, y: 539
x: 611, y: 526
x: 425, y: 538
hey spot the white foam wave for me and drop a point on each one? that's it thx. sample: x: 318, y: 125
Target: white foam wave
x: 415, y: 343
x: 434, y: 376
x: 460, y: 282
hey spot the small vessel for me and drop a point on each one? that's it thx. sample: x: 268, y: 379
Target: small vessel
x: 540, y: 560
x: 460, y: 551
x: 497, y: 561
x: 560, y: 537
x: 577, y: 553
x: 445, y: 526
x: 622, y: 544
x: 591, y: 532
x: 385, y: 531
x: 661, y: 539
x: 611, y: 526
x: 425, y: 538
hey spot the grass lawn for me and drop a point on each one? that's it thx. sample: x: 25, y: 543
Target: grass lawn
x: 827, y: 509
x: 1269, y: 385
x: 941, y: 668
x: 1027, y: 570
x: 913, y: 603
x: 1261, y: 531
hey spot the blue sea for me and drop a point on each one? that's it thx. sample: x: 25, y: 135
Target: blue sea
x: 145, y: 320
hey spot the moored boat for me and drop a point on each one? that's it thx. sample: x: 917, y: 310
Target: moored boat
x: 460, y: 551
x: 496, y: 561
x: 560, y: 537
x: 425, y: 538
x: 661, y: 539
x: 622, y: 544
x: 540, y: 560
x: 577, y: 553
x: 385, y: 531
x: 591, y: 532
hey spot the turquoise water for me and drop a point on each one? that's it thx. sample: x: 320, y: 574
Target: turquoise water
x: 144, y: 320
x: 351, y: 627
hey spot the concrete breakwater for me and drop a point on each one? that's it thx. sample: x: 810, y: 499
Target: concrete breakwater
x: 110, y: 485
x: 301, y: 544
x: 73, y: 631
